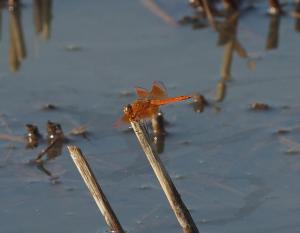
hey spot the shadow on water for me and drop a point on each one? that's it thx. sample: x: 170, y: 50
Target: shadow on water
x: 42, y: 17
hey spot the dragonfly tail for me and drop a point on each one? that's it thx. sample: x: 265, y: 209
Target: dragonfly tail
x: 170, y: 100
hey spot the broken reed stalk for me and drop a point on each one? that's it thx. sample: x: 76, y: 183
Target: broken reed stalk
x: 274, y: 7
x: 228, y: 51
x: 50, y: 146
x: 227, y: 60
x: 95, y: 189
x: 182, y: 214
x: 12, y: 138
x: 230, y: 4
x: 273, y: 34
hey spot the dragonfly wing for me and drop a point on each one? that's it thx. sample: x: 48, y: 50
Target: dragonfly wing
x: 141, y: 93
x: 121, y: 121
x: 153, y: 110
x: 148, y: 112
x: 158, y: 90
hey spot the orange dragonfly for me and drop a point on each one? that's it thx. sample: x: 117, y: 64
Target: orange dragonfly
x: 147, y: 103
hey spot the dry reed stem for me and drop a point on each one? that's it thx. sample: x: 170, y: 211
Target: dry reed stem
x: 273, y: 33
x: 240, y: 50
x: 182, y: 214
x: 274, y: 7
x: 209, y: 15
x: 95, y: 189
x: 155, y: 9
x: 220, y: 92
x: 228, y: 50
x: 227, y: 60
x: 50, y: 146
x: 230, y: 4
x: 37, y: 17
x: 12, y: 138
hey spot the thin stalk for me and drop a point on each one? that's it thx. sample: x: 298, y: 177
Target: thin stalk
x: 209, y: 15
x: 182, y: 214
x: 274, y: 7
x: 37, y: 16
x: 95, y: 189
x: 273, y: 34
x: 158, y: 11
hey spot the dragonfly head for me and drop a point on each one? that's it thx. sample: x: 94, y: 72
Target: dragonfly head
x: 128, y: 110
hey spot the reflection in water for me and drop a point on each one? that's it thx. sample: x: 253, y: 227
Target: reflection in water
x: 158, y: 132
x: 42, y: 17
x: 54, y: 148
x: 17, y: 50
x: 220, y: 91
x: 41, y: 166
x: 272, y: 38
x: 297, y: 16
x: 227, y: 31
x: 56, y: 138
x: 227, y: 37
x: 42, y: 11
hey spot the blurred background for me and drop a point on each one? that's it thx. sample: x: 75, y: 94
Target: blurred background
x: 69, y: 67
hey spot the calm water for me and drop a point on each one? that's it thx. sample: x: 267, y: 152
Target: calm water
x: 234, y: 171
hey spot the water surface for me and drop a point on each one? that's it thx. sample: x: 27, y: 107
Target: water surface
x: 235, y: 172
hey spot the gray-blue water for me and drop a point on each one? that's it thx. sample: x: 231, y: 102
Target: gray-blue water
x: 233, y: 170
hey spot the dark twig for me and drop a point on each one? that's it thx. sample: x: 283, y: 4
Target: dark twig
x: 51, y: 145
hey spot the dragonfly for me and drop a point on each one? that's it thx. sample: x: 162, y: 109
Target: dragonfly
x: 147, y: 103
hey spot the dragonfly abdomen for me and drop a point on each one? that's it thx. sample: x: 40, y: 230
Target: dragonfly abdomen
x: 170, y: 100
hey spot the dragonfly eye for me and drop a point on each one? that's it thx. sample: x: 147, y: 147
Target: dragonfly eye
x: 128, y: 109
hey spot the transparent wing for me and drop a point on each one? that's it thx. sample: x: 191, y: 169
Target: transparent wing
x: 142, y: 93
x: 158, y: 90
x: 121, y: 121
x: 147, y: 113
